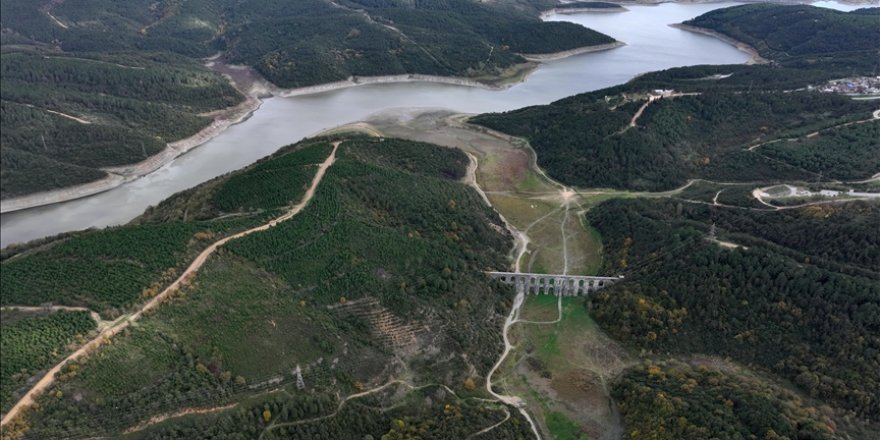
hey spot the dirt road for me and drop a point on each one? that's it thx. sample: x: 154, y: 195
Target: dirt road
x: 49, y: 378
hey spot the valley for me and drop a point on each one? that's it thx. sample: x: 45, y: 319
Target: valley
x: 279, y: 121
x: 355, y: 284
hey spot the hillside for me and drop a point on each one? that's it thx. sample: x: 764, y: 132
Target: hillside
x: 359, y: 290
x: 798, y: 34
x: 790, y: 303
x: 635, y: 141
x: 706, y: 122
x: 66, y: 116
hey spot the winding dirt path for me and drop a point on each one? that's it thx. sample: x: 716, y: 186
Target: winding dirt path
x: 49, y: 378
x: 64, y: 115
x: 184, y: 412
x: 875, y: 115
x: 485, y: 430
x: 652, y: 98
x: 521, y: 239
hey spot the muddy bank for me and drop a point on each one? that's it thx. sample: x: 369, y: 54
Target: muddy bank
x: 62, y: 194
x: 355, y: 81
x: 222, y: 121
x: 117, y: 176
x: 567, y: 11
x: 756, y: 57
x: 568, y: 53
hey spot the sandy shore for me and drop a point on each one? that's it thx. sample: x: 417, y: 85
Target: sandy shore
x: 568, y: 53
x: 119, y: 175
x: 385, y: 79
x: 756, y: 57
x: 572, y: 11
x: 62, y: 194
x: 254, y: 87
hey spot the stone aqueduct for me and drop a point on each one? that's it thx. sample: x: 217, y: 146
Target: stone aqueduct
x: 565, y: 285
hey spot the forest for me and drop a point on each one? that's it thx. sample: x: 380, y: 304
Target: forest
x: 32, y: 343
x: 358, y: 290
x: 64, y: 117
x: 798, y: 33
x: 311, y: 42
x: 772, y: 302
x: 673, y: 400
x: 111, y: 269
x: 586, y: 141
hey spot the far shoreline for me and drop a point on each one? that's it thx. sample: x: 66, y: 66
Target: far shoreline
x: 574, y: 11
x: 756, y: 58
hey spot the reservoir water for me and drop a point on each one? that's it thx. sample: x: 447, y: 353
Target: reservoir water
x: 651, y: 45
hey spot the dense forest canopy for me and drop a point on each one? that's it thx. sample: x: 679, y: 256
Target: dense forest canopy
x: 782, y: 302
x: 673, y: 400
x: 65, y: 116
x: 590, y: 141
x: 785, y: 33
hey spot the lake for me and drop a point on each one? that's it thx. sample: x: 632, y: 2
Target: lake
x: 651, y: 45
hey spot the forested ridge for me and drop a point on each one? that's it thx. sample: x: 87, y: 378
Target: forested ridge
x: 797, y: 33
x: 380, y: 279
x: 710, y: 115
x: 673, y: 400
x: 788, y: 313
x: 65, y: 116
x: 310, y: 42
x: 111, y: 269
x: 586, y: 141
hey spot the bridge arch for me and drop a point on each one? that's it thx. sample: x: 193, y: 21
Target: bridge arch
x: 545, y: 284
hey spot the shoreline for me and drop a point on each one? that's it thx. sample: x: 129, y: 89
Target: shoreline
x: 355, y: 81
x: 118, y: 176
x: 257, y: 89
x: 756, y: 58
x: 573, y: 11
x: 572, y: 52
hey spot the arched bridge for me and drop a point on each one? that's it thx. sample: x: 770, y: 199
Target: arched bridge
x: 565, y: 285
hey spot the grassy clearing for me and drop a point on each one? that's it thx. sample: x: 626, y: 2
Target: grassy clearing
x: 264, y: 324
x: 564, y: 365
x: 533, y: 182
x: 539, y: 308
x: 519, y: 211
x: 562, y: 428
x: 592, y: 247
